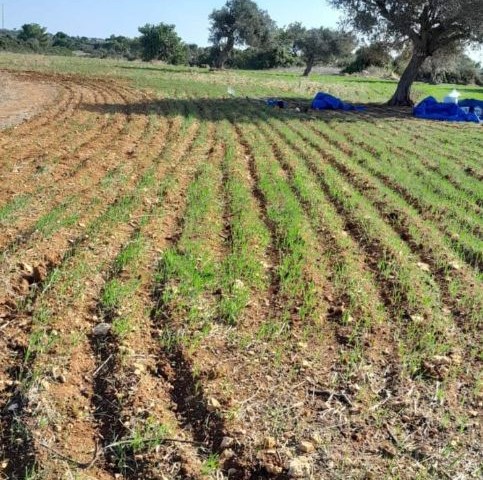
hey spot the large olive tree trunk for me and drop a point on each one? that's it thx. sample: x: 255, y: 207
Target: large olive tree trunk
x: 402, y: 96
x: 224, y: 53
x: 309, y: 66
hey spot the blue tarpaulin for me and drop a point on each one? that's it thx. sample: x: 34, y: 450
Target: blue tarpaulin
x: 325, y: 101
x: 431, y: 109
x: 471, y: 103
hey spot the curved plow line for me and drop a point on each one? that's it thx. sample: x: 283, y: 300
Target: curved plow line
x: 82, y: 177
x: 110, y: 132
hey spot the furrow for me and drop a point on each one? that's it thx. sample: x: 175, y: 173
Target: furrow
x: 69, y: 351
x: 124, y: 410
x: 463, y: 244
x: 421, y: 235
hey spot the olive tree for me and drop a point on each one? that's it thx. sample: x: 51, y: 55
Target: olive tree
x: 238, y: 22
x: 429, y: 26
x: 321, y: 45
x: 161, y: 42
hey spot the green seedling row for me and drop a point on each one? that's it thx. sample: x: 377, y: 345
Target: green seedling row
x: 301, y: 268
x: 415, y: 297
x: 242, y: 271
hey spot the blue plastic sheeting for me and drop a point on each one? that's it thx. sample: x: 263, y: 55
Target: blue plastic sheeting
x: 325, y: 101
x: 431, y: 109
x: 471, y: 103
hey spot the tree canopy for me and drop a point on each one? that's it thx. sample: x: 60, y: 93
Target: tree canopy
x: 161, y: 42
x: 429, y: 25
x: 34, y: 32
x: 321, y: 45
x: 238, y: 22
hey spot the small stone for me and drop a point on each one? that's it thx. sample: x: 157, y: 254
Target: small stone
x: 24, y: 286
x: 101, y: 330
x: 40, y: 273
x: 45, y: 384
x: 306, y: 447
x: 140, y: 367
x: 442, y: 360
x: 13, y: 407
x: 4, y: 465
x: 388, y: 450
x: 269, y: 442
x: 457, y: 359
x: 27, y: 270
x: 213, y: 405
x: 418, y: 319
x: 227, y: 442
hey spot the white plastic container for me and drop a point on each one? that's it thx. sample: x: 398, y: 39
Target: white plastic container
x: 452, y: 97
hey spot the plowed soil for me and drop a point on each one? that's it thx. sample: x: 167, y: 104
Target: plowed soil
x: 196, y: 288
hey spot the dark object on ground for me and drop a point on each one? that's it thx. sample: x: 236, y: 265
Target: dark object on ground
x: 273, y: 102
x: 431, y: 109
x: 325, y: 101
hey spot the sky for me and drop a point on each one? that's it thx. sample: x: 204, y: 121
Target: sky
x: 101, y: 18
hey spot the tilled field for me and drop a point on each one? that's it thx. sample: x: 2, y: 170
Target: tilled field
x: 208, y: 288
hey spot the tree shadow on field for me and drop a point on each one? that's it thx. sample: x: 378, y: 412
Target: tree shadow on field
x: 250, y: 110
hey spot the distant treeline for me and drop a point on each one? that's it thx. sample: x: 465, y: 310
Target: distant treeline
x: 291, y: 46
x: 33, y: 38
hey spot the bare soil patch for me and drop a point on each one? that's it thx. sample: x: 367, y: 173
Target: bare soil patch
x: 22, y: 99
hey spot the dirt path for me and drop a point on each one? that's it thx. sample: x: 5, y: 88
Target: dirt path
x: 22, y: 99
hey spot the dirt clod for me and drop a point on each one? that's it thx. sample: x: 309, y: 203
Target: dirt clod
x: 306, y: 447
x: 101, y: 330
x: 227, y: 442
x: 299, y: 467
x: 269, y: 442
x: 213, y: 405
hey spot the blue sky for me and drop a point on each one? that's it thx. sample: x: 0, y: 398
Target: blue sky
x: 100, y: 18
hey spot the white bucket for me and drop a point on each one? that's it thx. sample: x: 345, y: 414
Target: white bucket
x: 452, y: 97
